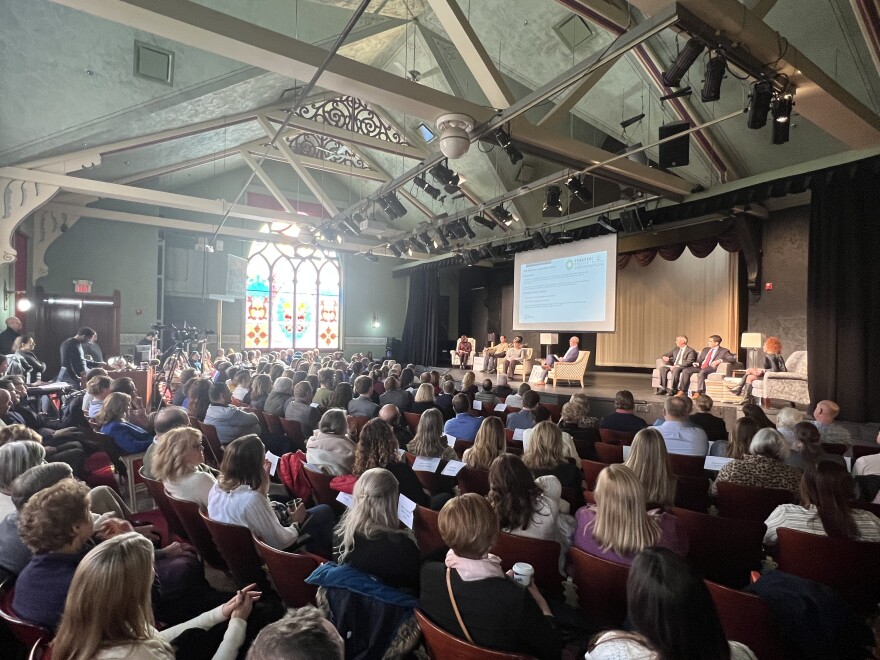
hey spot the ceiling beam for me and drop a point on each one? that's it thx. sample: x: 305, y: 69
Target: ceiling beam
x: 868, y: 17
x: 180, y: 166
x: 763, y: 7
x: 560, y: 111
x: 465, y: 39
x: 279, y: 196
x: 215, y: 32
x: 319, y: 164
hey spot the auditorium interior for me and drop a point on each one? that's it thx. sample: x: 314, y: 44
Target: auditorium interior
x: 365, y: 178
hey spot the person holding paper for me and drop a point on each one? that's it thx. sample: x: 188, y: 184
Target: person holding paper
x: 571, y: 355
x: 675, y: 360
x: 430, y: 440
x: 369, y: 538
x: 491, y: 354
x: 377, y: 447
x: 463, y: 426
x: 485, y: 395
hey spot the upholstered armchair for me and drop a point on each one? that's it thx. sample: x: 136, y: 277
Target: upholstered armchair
x: 523, y: 369
x: 455, y: 361
x: 570, y: 370
x: 788, y: 385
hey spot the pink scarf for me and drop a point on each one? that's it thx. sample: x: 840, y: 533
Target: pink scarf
x: 475, y: 569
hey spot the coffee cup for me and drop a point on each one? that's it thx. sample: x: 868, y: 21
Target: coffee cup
x: 522, y: 573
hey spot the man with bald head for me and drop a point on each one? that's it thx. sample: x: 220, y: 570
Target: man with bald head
x: 169, y: 417
x: 391, y: 414
x: 8, y: 336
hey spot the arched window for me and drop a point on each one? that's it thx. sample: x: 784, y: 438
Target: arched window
x: 293, y: 297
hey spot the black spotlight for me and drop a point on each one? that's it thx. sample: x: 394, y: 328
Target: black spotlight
x: 329, y: 234
x: 466, y: 227
x: 577, y: 188
x: 351, y: 226
x: 715, y: 69
x: 396, y: 251
x: 472, y: 257
x: 455, y: 231
x: 504, y: 141
x: 538, y: 239
x: 505, y: 216
x: 445, y: 177
x: 684, y: 61
x: 427, y: 187
x: 440, y: 240
x: 605, y: 222
x: 782, y: 118
x: 426, y: 241
x: 762, y: 97
x: 552, y: 205
x: 483, y: 220
x: 626, y: 123
x: 369, y: 256
x: 392, y: 206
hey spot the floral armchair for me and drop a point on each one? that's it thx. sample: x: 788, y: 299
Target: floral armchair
x: 788, y: 385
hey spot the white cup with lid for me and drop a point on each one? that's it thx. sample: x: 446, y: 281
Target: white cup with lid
x: 522, y: 573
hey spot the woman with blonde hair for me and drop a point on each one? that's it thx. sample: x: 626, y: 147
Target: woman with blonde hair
x: 102, y: 621
x: 16, y: 458
x: 429, y: 440
x: 575, y: 414
x: 113, y: 418
x: 377, y: 447
x: 618, y: 527
x: 424, y: 399
x: 488, y: 445
x: 650, y: 462
x: 546, y: 455
x: 468, y: 385
x: 176, y: 460
x: 369, y: 533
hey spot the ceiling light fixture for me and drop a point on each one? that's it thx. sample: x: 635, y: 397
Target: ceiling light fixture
x: 369, y: 256
x: 626, y: 123
x: 428, y: 188
x: 715, y: 70
x: 684, y: 61
x: 446, y: 177
x: 506, y: 217
x: 351, y: 226
x: 465, y: 225
x: 483, y: 220
x: 552, y: 205
x: 684, y: 91
x: 504, y: 141
x: 761, y: 98
x: 577, y: 188
x: 782, y: 118
x: 605, y: 221
x: 396, y: 251
x: 440, y: 240
x: 392, y: 206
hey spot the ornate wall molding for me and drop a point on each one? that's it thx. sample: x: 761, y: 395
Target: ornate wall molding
x: 49, y: 224
x: 18, y: 199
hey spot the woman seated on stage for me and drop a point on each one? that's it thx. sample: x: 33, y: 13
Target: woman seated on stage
x: 369, y: 534
x: 463, y: 350
x: 176, y: 462
x: 424, y: 399
x: 377, y: 447
x: 429, y: 440
x: 113, y: 420
x: 764, y: 466
x: 773, y: 361
x: 330, y: 449
x: 495, y: 611
x: 488, y: 445
x: 826, y: 495
x: 619, y: 526
x: 650, y: 462
x: 240, y: 498
x: 546, y: 455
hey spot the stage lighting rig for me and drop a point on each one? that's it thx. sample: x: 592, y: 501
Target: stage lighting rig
x: 552, y: 205
x: 392, y: 206
x: 684, y: 61
x: 428, y: 188
x: 446, y: 178
x: 488, y: 223
x: 715, y: 70
x: 504, y: 141
x: 506, y: 217
x: 577, y: 188
x: 782, y: 107
x: 761, y: 99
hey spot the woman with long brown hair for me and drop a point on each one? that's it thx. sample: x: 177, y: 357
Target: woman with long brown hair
x: 377, y: 447
x: 488, y: 445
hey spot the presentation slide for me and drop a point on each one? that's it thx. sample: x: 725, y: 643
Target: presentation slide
x: 569, y: 287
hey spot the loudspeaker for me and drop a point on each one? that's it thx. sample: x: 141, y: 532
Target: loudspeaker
x: 675, y: 153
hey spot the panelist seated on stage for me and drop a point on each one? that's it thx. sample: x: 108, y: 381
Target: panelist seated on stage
x: 680, y: 435
x: 571, y: 355
x: 515, y: 355
x: 675, y: 360
x: 710, y: 359
x: 493, y: 353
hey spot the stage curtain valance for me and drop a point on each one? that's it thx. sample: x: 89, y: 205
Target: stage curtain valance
x: 661, y: 299
x: 700, y: 248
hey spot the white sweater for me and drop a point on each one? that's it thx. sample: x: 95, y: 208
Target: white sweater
x: 251, y: 509
x: 193, y: 487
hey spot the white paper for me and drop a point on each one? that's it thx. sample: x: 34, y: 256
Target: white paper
x: 425, y: 464
x: 626, y: 451
x: 345, y: 498
x: 518, y: 434
x: 715, y: 462
x: 405, y: 508
x: 848, y: 460
x: 478, y: 405
x: 315, y: 404
x: 501, y: 407
x: 453, y: 468
x: 273, y: 460
x: 450, y: 439
x: 401, y: 452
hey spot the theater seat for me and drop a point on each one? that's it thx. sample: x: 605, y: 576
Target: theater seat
x: 445, y: 646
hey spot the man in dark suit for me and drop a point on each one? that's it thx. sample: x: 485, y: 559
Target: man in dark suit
x: 675, y: 360
x: 710, y: 357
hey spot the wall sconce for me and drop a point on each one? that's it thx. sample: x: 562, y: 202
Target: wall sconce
x: 22, y: 305
x: 375, y: 321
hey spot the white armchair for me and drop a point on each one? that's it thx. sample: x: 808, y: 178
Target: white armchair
x: 791, y: 385
x: 523, y: 369
x: 455, y: 361
x: 570, y: 370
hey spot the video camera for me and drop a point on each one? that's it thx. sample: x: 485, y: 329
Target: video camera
x: 182, y: 335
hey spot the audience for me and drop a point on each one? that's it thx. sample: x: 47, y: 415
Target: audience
x: 468, y: 384
x: 363, y: 405
x: 178, y: 461
x: 489, y: 444
x: 199, y: 398
x: 680, y: 436
x: 377, y: 447
x: 744, y: 429
x: 424, y: 399
x: 649, y: 461
x: 97, y: 389
x: 542, y: 414
x: 516, y: 400
x: 303, y: 634
x: 525, y: 418
x: 230, y: 421
x: 444, y: 400
x: 825, y: 413
x: 342, y: 396
x: 281, y: 394
x: 869, y: 464
x: 764, y: 466
x: 786, y: 420
x: 261, y: 387
x: 299, y: 409
x: 485, y: 395
x: 325, y: 391
x: 809, y: 451
x: 429, y: 440
x: 242, y: 382
x: 113, y: 419
x: 390, y: 414
x: 463, y: 426
x: 580, y: 412
x: 396, y: 396
x: 714, y: 427
x: 330, y: 449
x: 546, y: 456
x: 757, y: 413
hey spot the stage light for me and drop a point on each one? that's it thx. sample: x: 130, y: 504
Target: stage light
x: 715, y: 69
x: 396, y: 251
x: 505, y: 216
x: 409, y: 247
x: 761, y: 98
x: 626, y: 123
x: 427, y: 187
x: 330, y: 234
x: 369, y: 256
x: 440, y: 240
x: 565, y: 237
x: 351, y: 226
x: 392, y: 206
x: 446, y: 178
x: 552, y: 205
x: 455, y: 231
x: 465, y: 225
x: 684, y: 91
x: 504, y: 141
x: 578, y: 189
x: 684, y: 61
x: 605, y: 222
x: 472, y: 257
x: 483, y: 220
x: 782, y: 118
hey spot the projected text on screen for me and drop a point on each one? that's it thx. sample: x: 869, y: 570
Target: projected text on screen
x: 564, y: 290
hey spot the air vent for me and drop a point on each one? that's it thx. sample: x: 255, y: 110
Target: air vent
x: 574, y: 32
x: 153, y: 63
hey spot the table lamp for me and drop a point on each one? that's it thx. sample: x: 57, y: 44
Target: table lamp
x: 752, y: 341
x: 549, y: 339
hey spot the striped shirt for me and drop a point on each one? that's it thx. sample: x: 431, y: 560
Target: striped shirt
x: 798, y: 518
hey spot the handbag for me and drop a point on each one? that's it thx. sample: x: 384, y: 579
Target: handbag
x: 464, y: 629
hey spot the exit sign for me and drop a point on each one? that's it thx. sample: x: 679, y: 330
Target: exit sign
x: 82, y: 286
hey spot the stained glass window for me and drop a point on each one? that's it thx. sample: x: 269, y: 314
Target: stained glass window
x: 293, y: 298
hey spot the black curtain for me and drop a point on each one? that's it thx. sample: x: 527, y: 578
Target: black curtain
x: 843, y: 294
x: 419, y: 341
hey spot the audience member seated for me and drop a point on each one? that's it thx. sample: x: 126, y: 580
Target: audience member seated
x: 303, y: 634
x: 525, y: 418
x: 377, y: 447
x: 325, y: 391
x: 178, y: 462
x: 444, y: 400
x: 104, y: 622
x: 672, y: 615
x: 516, y: 400
x: 489, y: 444
x: 391, y: 414
x: 330, y: 449
x: 869, y: 464
x: 369, y: 537
x: 24, y: 347
x: 396, y: 396
x: 430, y: 440
x: 825, y: 414
x: 680, y: 436
x: 618, y: 526
x: 70, y: 453
x: 299, y: 409
x: 363, y: 405
x: 406, y: 378
x: 744, y: 429
x: 714, y: 427
x: 186, y: 375
x: 463, y: 426
x: 199, y: 398
x: 826, y: 496
x: 757, y: 413
x: 240, y: 498
x: 424, y: 399
x: 343, y: 394
x: 138, y: 414
x: 808, y: 450
x: 242, y: 382
x: 546, y: 455
x: 279, y: 397
x: 786, y: 420
x: 113, y: 420
x: 168, y: 417
x: 764, y: 466
x: 87, y: 398
x: 502, y: 390
x: 98, y: 389
x: 584, y: 419
x: 468, y: 385
x: 485, y: 395
x: 261, y: 387
x: 495, y: 611
x: 230, y: 421
x: 542, y: 414
x: 623, y: 418
x: 649, y: 461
